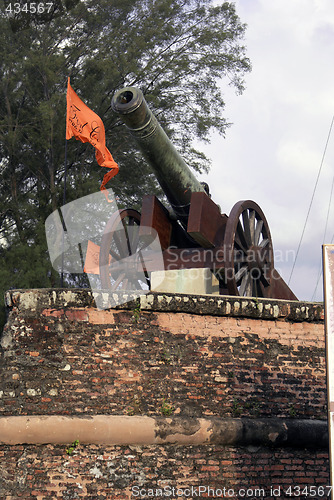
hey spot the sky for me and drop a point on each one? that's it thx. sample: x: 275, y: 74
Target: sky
x: 281, y: 136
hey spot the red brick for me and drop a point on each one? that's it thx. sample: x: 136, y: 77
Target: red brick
x: 76, y: 315
x: 101, y: 317
x: 53, y: 313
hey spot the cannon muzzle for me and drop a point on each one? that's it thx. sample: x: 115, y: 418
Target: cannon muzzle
x: 172, y: 173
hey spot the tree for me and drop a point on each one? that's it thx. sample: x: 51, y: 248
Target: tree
x: 177, y: 51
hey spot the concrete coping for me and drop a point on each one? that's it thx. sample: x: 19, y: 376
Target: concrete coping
x: 34, y: 300
x: 144, y: 430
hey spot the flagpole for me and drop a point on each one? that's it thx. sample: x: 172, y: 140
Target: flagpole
x: 64, y: 202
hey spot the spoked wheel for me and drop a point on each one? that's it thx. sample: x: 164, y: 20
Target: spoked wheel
x: 249, y: 258
x: 120, y: 240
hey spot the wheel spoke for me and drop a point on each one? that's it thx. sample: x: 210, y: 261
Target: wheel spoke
x: 127, y: 238
x: 248, y: 291
x: 135, y: 235
x: 131, y: 233
x: 240, y: 238
x: 115, y: 285
x: 143, y: 267
x: 240, y: 273
x: 248, y: 218
x: 120, y: 241
x: 247, y: 231
x: 265, y: 278
x: 252, y: 225
x: 115, y: 255
x: 258, y: 232
x: 124, y: 284
x: 245, y: 284
x: 264, y: 243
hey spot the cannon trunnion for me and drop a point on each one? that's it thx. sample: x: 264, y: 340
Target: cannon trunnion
x: 193, y: 232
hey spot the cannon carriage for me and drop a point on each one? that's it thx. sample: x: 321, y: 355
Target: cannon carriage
x: 193, y: 233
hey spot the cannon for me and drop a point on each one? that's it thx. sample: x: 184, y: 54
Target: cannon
x: 193, y: 233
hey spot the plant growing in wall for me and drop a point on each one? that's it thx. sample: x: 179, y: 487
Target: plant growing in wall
x: 237, y: 408
x: 167, y: 408
x: 292, y: 411
x: 166, y: 357
x: 72, y: 447
x: 136, y: 314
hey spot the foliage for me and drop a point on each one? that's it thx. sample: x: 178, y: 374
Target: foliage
x: 71, y: 448
x: 167, y: 408
x: 177, y: 51
x: 136, y: 313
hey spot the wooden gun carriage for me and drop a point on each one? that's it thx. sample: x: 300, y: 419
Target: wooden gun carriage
x: 193, y: 232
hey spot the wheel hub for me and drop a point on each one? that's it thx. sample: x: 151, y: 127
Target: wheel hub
x: 255, y: 258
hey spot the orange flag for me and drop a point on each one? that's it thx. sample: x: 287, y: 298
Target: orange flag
x: 87, y: 126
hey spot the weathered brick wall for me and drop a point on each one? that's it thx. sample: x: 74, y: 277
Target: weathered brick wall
x: 243, y: 359
x: 115, y: 472
x: 186, y: 356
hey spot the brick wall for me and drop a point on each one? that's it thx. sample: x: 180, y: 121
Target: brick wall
x: 184, y: 356
x: 63, y: 359
x: 116, y: 472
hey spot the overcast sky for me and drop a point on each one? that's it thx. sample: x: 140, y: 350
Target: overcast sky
x: 273, y: 151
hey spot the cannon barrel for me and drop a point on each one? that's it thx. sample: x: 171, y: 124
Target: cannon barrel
x: 172, y: 173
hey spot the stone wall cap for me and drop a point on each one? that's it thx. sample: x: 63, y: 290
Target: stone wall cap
x: 35, y: 300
